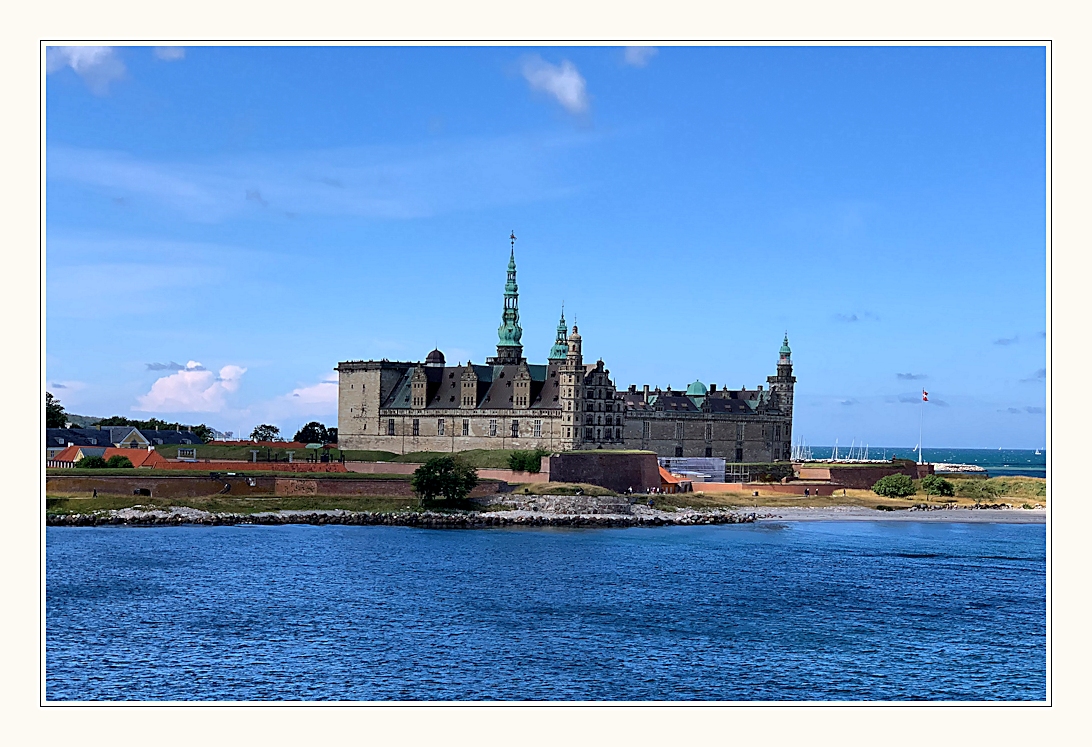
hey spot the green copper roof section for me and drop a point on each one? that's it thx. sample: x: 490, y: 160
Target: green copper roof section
x: 785, y: 346
x: 696, y: 389
x: 561, y: 345
x: 509, y: 333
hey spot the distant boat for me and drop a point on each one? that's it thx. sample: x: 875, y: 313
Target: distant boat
x: 1037, y: 452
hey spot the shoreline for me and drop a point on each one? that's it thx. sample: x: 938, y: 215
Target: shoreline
x: 641, y: 517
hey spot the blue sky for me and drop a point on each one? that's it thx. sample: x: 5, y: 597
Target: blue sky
x: 225, y: 224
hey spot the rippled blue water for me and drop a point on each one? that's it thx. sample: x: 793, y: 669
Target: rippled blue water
x: 786, y: 611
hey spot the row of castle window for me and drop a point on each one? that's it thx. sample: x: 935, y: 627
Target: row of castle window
x: 441, y: 427
x: 598, y: 420
x: 601, y: 434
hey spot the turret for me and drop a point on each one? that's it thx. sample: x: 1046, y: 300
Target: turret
x: 560, y: 350
x: 782, y: 384
x: 571, y: 375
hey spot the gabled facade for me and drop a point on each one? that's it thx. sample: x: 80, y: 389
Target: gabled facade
x: 505, y: 403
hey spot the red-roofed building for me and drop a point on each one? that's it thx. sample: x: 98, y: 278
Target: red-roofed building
x: 139, y: 457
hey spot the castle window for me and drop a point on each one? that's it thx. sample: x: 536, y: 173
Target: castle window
x: 440, y: 426
x: 515, y: 429
x: 390, y: 427
x: 618, y: 434
x: 568, y: 433
x: 678, y: 451
x: 588, y: 434
x: 708, y: 451
x: 739, y: 433
x: 678, y: 433
x: 416, y: 427
x: 588, y: 420
x: 599, y: 420
x: 466, y: 427
x: 709, y: 433
x: 492, y: 426
x: 646, y: 430
x: 739, y: 455
x: 538, y: 429
x: 598, y: 435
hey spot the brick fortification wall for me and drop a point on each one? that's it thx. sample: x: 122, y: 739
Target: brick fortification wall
x: 866, y: 477
x: 613, y: 471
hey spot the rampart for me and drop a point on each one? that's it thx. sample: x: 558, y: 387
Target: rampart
x: 611, y: 470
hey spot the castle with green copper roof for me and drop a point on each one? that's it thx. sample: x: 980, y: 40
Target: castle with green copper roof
x: 563, y: 404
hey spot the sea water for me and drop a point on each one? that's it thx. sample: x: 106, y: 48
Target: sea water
x: 768, y: 611
x: 996, y: 462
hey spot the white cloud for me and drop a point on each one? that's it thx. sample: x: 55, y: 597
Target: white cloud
x: 318, y: 396
x: 170, y: 54
x: 564, y: 82
x: 639, y: 56
x: 193, y: 389
x: 97, y: 66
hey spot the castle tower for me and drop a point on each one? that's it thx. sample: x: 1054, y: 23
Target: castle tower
x: 782, y: 384
x: 571, y: 373
x: 560, y: 350
x: 509, y: 349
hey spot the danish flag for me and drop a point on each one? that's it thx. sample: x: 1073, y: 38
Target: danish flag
x: 924, y: 396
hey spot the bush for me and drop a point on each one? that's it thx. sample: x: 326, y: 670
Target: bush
x: 445, y: 478
x: 894, y: 486
x: 92, y: 462
x: 526, y: 461
x: 119, y: 462
x: 771, y: 472
x: 933, y: 485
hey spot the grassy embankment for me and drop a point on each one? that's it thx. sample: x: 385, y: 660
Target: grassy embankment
x: 1017, y: 491
x: 479, y: 458
x: 67, y: 504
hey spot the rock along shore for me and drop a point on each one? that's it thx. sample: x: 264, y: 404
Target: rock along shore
x: 425, y: 519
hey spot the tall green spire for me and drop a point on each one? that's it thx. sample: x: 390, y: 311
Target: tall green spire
x: 509, y: 332
x: 785, y: 346
x: 560, y: 350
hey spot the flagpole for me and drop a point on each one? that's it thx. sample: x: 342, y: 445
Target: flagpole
x: 921, y: 419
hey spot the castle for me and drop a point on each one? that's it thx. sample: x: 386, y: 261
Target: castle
x: 562, y: 405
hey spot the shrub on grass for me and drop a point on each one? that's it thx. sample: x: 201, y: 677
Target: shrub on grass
x: 91, y: 462
x: 119, y: 462
x: 526, y: 461
x: 933, y: 485
x: 444, y: 480
x: 894, y: 486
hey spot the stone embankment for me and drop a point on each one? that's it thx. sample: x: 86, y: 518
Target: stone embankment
x: 424, y: 519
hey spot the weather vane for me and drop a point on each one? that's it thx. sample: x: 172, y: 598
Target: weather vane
x: 513, y: 238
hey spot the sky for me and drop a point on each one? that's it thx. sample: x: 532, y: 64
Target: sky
x: 225, y: 224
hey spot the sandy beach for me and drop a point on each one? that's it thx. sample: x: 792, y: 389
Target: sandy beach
x: 857, y: 513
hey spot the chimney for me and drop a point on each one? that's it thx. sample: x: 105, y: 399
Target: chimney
x: 646, y: 390
x: 712, y: 387
x: 632, y: 388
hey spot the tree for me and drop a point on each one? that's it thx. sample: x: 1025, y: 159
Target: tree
x: 933, y: 485
x: 312, y: 433
x: 55, y: 416
x: 526, y: 461
x: 444, y: 477
x: 266, y: 432
x: 91, y: 462
x: 119, y: 462
x: 331, y: 435
x: 203, y: 432
x: 894, y: 486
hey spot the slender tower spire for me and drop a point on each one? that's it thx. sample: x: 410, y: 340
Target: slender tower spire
x: 561, y: 342
x: 509, y: 349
